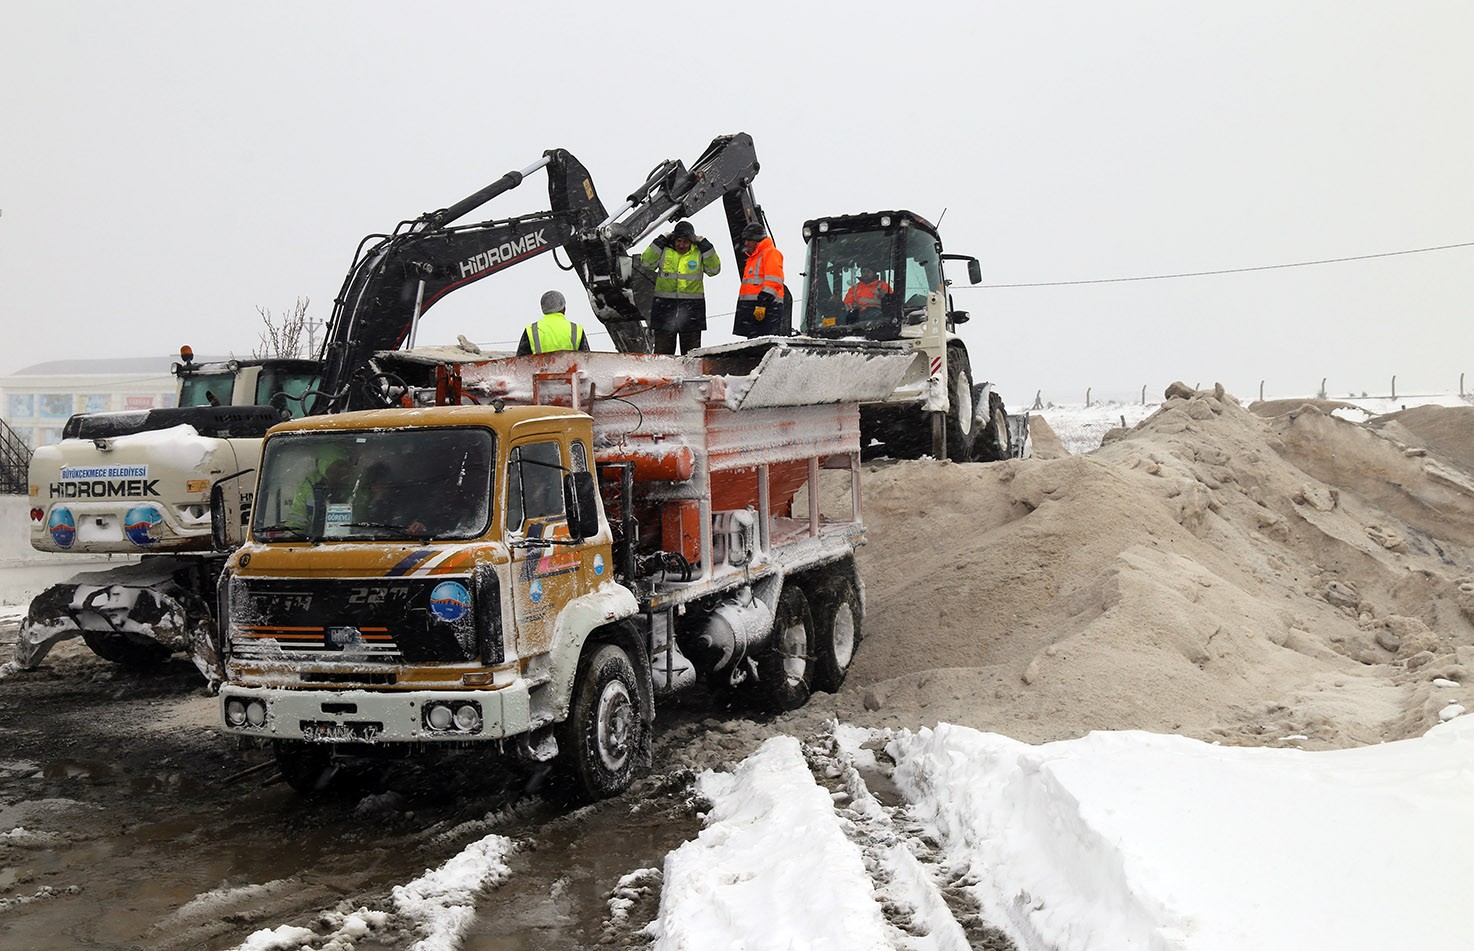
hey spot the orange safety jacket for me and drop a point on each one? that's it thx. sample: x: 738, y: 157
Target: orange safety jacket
x: 763, y: 273
x: 864, y: 295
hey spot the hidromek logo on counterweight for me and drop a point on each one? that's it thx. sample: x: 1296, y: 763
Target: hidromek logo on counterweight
x: 103, y: 482
x: 505, y: 253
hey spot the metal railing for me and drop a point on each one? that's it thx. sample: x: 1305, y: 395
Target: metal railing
x: 15, y: 460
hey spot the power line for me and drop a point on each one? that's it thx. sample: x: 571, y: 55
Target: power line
x: 1230, y: 270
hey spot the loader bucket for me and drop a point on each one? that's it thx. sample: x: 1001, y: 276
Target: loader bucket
x: 808, y: 372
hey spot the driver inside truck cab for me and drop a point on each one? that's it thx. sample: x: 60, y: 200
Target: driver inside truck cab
x: 329, y: 483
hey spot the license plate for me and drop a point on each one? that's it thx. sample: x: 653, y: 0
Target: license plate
x: 319, y: 731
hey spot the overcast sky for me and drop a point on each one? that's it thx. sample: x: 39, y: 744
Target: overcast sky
x: 168, y: 168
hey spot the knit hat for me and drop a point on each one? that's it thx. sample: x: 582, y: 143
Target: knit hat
x: 553, y: 303
x: 754, y: 231
x: 683, y: 229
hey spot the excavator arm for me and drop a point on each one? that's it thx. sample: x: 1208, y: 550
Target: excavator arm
x: 395, y: 278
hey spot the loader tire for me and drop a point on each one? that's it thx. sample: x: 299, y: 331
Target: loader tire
x: 599, y: 744
x: 993, y: 442
x: 838, y: 615
x: 785, y: 669
x: 960, y: 429
x: 130, y: 651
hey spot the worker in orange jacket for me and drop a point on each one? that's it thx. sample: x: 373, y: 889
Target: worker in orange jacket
x: 867, y: 292
x: 761, y: 298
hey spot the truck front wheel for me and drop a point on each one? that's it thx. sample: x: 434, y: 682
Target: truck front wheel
x: 785, y: 670
x: 601, y: 739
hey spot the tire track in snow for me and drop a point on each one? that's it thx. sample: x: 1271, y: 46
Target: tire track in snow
x: 921, y: 896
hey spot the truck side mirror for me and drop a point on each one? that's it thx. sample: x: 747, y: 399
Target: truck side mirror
x: 583, y: 507
x: 974, y: 271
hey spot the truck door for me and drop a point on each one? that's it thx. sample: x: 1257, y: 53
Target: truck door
x: 546, y: 575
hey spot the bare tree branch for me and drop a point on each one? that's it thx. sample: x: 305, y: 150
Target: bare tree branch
x: 284, y: 336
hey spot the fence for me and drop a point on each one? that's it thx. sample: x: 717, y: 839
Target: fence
x: 15, y: 459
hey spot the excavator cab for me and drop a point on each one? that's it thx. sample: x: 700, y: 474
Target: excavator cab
x: 870, y: 275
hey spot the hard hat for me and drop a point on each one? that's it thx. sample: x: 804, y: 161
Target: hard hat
x: 754, y: 231
x: 553, y: 302
x: 683, y: 229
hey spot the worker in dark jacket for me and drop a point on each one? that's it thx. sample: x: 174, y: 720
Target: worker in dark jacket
x: 680, y: 261
x: 554, y: 331
x: 760, y: 300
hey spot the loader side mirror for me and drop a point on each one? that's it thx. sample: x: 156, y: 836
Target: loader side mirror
x: 583, y: 507
x: 974, y: 271
x: 959, y: 317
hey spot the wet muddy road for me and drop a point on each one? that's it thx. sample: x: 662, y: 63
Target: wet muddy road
x: 127, y: 821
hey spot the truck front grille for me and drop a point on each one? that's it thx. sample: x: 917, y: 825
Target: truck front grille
x: 358, y: 621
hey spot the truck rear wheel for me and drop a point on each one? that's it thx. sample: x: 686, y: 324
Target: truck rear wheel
x: 600, y: 741
x: 307, y: 767
x: 960, y: 429
x: 130, y: 651
x: 785, y: 670
x: 837, y: 630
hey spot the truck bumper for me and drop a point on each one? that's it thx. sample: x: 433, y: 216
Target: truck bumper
x: 363, y: 716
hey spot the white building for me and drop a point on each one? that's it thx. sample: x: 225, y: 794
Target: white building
x: 36, y: 401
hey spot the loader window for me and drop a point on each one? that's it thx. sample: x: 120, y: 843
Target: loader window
x: 197, y: 388
x: 923, y: 268
x: 534, y: 485
x: 836, y: 263
x: 284, y: 389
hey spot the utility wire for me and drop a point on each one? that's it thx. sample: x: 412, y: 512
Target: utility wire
x: 1231, y: 270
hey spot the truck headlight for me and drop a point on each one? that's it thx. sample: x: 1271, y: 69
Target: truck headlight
x: 235, y: 712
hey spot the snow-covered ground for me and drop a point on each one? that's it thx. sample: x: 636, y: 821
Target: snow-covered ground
x: 1116, y: 840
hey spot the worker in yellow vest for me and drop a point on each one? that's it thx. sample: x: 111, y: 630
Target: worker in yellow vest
x: 679, y: 261
x: 554, y: 331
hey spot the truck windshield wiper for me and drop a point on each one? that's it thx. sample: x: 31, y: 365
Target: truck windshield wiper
x: 400, y: 529
x: 282, y: 527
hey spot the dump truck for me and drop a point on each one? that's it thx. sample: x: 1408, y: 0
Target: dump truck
x: 530, y: 568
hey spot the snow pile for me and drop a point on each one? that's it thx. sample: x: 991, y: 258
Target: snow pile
x: 1114, y: 840
x: 773, y: 861
x: 442, y: 902
x: 1135, y: 840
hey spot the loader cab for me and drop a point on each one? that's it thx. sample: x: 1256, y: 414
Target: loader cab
x: 281, y: 383
x: 870, y: 275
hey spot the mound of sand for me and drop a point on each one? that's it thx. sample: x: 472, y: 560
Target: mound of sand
x: 1276, y: 577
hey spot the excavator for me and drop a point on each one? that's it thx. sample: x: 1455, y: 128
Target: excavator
x: 141, y: 483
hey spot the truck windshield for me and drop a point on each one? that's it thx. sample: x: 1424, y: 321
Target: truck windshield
x: 374, y: 485
x: 852, y: 286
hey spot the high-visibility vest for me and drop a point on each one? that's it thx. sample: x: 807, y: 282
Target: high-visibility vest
x: 864, y: 295
x: 554, y: 332
x: 763, y: 273
x: 679, y: 276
